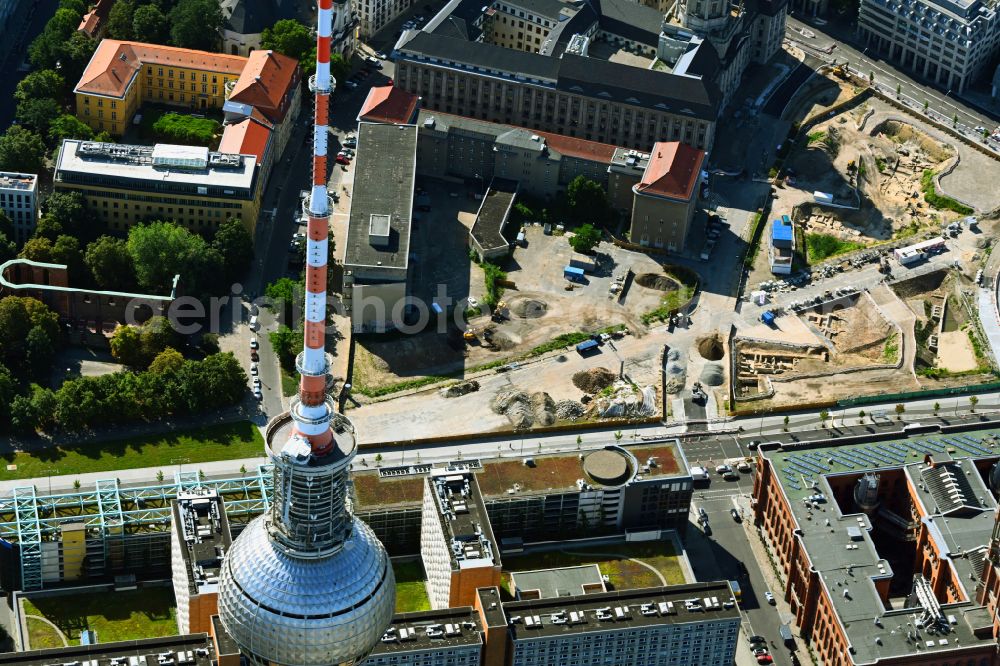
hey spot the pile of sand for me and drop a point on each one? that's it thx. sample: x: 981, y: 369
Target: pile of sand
x: 462, y: 388
x: 593, y: 380
x: 524, y: 410
x: 528, y: 308
x: 712, y: 374
x: 569, y: 410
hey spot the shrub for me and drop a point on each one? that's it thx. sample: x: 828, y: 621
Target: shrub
x: 186, y: 129
x: 940, y: 201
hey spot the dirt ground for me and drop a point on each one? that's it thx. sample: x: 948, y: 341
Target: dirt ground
x: 955, y: 352
x: 540, y: 309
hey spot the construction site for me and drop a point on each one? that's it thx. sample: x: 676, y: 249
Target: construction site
x: 841, y: 336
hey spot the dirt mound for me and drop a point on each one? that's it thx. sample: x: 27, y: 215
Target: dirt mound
x: 658, y: 282
x: 524, y: 410
x: 711, y: 348
x: 593, y: 380
x: 568, y: 410
x: 712, y: 375
x: 462, y: 388
x: 504, y: 340
x: 528, y: 308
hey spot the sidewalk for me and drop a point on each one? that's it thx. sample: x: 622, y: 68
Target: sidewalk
x: 774, y: 582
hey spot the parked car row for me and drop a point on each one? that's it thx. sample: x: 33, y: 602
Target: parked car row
x: 254, y: 358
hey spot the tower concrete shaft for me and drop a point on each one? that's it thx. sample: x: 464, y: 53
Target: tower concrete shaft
x: 312, y: 410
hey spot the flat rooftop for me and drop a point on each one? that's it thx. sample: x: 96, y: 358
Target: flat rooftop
x: 384, y: 173
x: 191, y: 650
x: 638, y: 609
x: 496, y: 478
x: 429, y: 630
x: 201, y: 524
x: 959, y: 515
x: 629, y: 161
x: 463, y: 514
x: 162, y: 167
x: 17, y: 181
x: 492, y: 216
x: 559, y: 582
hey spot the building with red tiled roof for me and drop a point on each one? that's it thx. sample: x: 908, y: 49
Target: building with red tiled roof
x: 389, y: 104
x: 249, y: 136
x: 665, y: 195
x: 123, y: 75
x: 93, y: 22
x: 268, y: 86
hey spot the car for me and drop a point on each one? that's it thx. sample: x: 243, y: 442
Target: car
x: 257, y: 394
x: 254, y: 344
x: 758, y: 650
x: 381, y: 55
x: 770, y: 598
x: 731, y: 476
x: 371, y: 59
x: 349, y: 152
x: 757, y: 639
x: 253, y: 322
x: 350, y: 85
x: 351, y: 142
x: 722, y: 469
x: 736, y: 515
x: 254, y: 356
x: 341, y: 159
x: 765, y: 659
x: 753, y: 445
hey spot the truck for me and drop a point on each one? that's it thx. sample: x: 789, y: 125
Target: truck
x: 573, y: 274
x: 699, y: 474
x: 822, y: 197
x: 587, y: 347
x: 768, y: 317
x: 786, y: 635
x: 583, y: 262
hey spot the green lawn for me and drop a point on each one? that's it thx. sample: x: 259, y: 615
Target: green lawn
x: 411, y: 592
x: 824, y: 246
x: 289, y: 383
x: 118, y: 616
x: 219, y: 442
x: 623, y: 573
x: 41, y: 635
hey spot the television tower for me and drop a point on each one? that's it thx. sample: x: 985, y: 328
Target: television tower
x: 307, y: 583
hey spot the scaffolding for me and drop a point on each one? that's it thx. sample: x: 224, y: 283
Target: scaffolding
x: 117, y: 518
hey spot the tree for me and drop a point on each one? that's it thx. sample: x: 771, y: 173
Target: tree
x: 785, y: 428
x: 586, y: 199
x: 585, y: 239
x: 23, y: 418
x: 6, y: 226
x: 210, y: 343
x: 861, y: 417
x: 195, y: 24
x: 282, y: 295
x: 75, y: 54
x: 68, y: 126
x: 340, y: 69
x: 120, y: 20
x: 8, y: 249
x: 45, y: 83
x: 899, y: 90
x: 38, y: 248
x: 43, y: 401
x: 168, y: 360
x: 937, y: 407
x: 126, y: 347
x: 157, y: 335
x: 871, y: 77
x: 287, y: 343
x: 77, y: 6
x: 823, y: 416
x: 973, y: 401
x: 579, y: 442
x: 290, y: 38
x: 8, y: 390
x: 38, y: 114
x: 70, y: 210
x: 48, y: 228
x: 150, y: 25
x: 926, y: 104
x: 161, y: 250
x: 110, y: 264
x: 46, y: 49
x: 21, y: 150
x: 900, y: 408
x: 66, y: 250
x: 40, y: 353
x: 618, y: 436
x: 235, y: 244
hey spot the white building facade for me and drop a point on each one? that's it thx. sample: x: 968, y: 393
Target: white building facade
x: 19, y: 200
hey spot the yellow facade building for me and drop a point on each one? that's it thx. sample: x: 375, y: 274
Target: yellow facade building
x: 122, y: 76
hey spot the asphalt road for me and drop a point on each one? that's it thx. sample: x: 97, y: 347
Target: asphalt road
x: 819, y: 38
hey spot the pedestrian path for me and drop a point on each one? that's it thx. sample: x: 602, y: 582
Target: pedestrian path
x: 989, y: 319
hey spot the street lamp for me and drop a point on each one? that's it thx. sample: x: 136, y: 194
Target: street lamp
x: 49, y: 473
x: 179, y: 462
